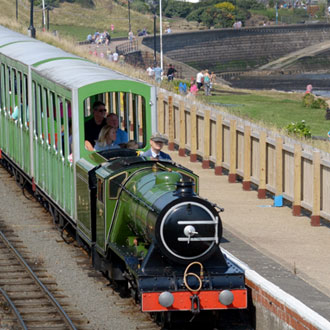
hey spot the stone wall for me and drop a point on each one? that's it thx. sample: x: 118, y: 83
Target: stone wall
x: 229, y: 50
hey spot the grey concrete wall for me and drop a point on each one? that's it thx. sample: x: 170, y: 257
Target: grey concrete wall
x: 244, y: 49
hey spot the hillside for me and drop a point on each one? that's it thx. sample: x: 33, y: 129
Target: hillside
x: 72, y: 20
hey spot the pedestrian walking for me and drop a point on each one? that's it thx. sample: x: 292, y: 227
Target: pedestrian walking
x: 207, y: 83
x: 170, y: 72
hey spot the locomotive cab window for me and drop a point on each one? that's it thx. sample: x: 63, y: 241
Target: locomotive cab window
x: 115, y: 184
x: 123, y: 111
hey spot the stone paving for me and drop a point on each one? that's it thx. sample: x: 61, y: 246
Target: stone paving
x: 285, y: 249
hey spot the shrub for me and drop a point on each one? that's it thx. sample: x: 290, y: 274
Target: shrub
x: 308, y: 99
x: 195, y: 15
x: 299, y: 129
x: 177, y: 9
x: 319, y: 103
x: 226, y: 6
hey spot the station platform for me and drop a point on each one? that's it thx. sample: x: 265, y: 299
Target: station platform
x: 284, y: 249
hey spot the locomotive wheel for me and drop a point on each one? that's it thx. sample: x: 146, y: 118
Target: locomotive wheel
x: 163, y: 319
x: 122, y: 288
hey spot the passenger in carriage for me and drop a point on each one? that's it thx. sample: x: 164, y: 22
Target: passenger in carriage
x: 132, y: 144
x: 106, y: 140
x: 15, y: 113
x: 113, y: 121
x: 94, y: 125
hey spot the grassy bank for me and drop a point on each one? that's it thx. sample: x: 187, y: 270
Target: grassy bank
x: 274, y: 109
x: 72, y: 20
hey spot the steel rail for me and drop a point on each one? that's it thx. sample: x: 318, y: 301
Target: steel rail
x: 39, y: 283
x: 14, y: 309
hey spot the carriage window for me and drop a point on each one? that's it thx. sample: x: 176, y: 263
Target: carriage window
x: 58, y: 126
x: 2, y: 85
x: 44, y: 114
x: 130, y: 109
x: 51, y: 119
x: 66, y: 129
x: 25, y: 108
x: 115, y: 184
x: 37, y: 108
x: 7, y: 87
x: 13, y: 89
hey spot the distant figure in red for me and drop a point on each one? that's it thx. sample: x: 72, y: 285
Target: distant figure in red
x: 112, y: 27
x: 309, y: 89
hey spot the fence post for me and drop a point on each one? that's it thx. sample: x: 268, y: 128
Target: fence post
x: 315, y: 219
x: 182, y: 143
x: 160, y: 112
x: 247, y: 158
x: 233, y: 152
x: 206, y: 155
x: 296, y: 207
x: 262, y: 165
x: 193, y: 134
x: 170, y: 123
x: 278, y: 198
x: 219, y: 147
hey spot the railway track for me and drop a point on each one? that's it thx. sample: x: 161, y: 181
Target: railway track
x: 17, y: 226
x: 25, y: 301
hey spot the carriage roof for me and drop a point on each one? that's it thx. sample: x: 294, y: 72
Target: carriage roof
x: 53, y: 63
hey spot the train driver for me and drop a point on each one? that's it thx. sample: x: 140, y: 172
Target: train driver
x: 155, y: 152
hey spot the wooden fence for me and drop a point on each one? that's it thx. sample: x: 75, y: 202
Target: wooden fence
x: 276, y: 164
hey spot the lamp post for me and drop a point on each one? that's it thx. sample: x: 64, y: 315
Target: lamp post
x: 43, y: 16
x: 31, y: 30
x: 161, y: 34
x: 129, y: 15
x: 47, y: 18
x: 155, y: 56
x: 153, y: 7
x: 16, y: 10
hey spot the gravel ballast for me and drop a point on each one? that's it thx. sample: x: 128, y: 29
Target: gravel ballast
x: 86, y: 290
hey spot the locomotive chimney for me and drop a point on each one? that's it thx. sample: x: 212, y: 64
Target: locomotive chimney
x: 184, y: 188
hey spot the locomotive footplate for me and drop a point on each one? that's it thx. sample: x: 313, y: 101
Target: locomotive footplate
x: 190, y: 301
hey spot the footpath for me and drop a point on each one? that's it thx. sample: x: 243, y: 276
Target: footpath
x: 284, y: 249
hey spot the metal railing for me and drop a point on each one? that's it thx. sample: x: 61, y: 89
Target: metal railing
x: 127, y: 47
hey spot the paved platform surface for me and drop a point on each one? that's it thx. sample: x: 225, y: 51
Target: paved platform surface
x: 284, y: 249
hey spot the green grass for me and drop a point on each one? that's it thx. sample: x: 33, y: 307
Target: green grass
x: 278, y: 110
x: 76, y: 22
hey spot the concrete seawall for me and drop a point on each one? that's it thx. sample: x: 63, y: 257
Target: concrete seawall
x: 243, y: 49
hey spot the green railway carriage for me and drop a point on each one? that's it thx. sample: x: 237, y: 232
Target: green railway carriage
x: 53, y: 91
x: 142, y: 219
